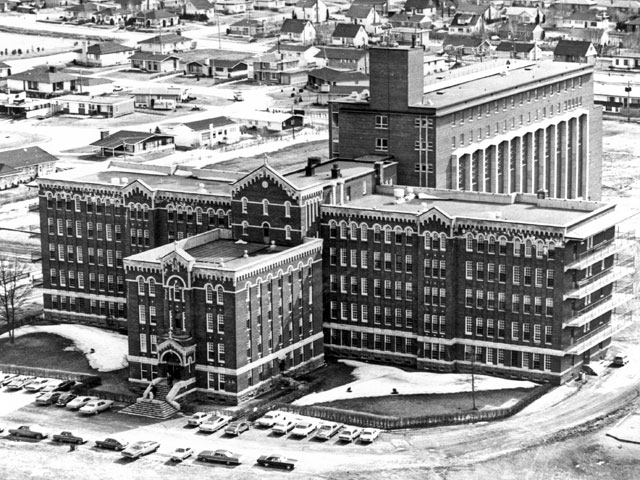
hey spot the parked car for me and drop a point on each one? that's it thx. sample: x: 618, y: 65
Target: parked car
x: 214, y: 423
x: 284, y: 425
x: 620, y: 360
x: 181, y: 453
x: 368, y: 435
x: 112, y: 444
x: 304, y: 428
x: 327, y: 430
x: 36, y: 385
x: 278, y: 461
x: 269, y: 419
x: 219, y: 456
x: 236, y: 428
x: 5, y: 378
x: 349, y: 434
x: 48, y: 398
x: 198, y: 419
x: 96, y: 406
x: 138, y: 449
x: 65, y: 398
x: 19, y: 382
x: 68, y: 437
x: 64, y: 386
x: 78, y: 402
x: 29, y: 431
x: 51, y: 385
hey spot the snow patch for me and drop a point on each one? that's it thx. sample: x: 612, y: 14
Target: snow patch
x: 105, y: 351
x: 380, y: 380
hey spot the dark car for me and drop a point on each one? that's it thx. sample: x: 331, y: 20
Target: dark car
x: 278, y: 461
x: 236, y: 428
x: 219, y: 456
x: 68, y: 437
x: 65, y: 398
x: 48, y: 398
x: 64, y: 386
x: 111, y: 444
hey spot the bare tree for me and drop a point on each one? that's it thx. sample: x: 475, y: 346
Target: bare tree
x: 15, y: 287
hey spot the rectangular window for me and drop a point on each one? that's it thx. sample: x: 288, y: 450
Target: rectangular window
x: 516, y: 275
x: 526, y: 332
x: 211, y: 351
x: 515, y: 330
x: 220, y: 323
x: 548, y: 334
x: 549, y: 307
x: 382, y: 121
x: 502, y: 273
x: 468, y: 325
x: 143, y: 343
x: 550, y: 274
x: 382, y: 145
x: 537, y: 333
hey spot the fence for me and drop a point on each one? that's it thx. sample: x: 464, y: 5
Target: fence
x: 116, y: 397
x: 48, y: 372
x: 394, y: 423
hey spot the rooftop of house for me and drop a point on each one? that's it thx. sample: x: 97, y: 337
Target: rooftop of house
x: 333, y: 75
x: 106, y: 48
x: 338, y: 53
x: 165, y: 38
x: 99, y: 100
x: 294, y: 25
x: 346, y: 30
x: 123, y: 137
x: 24, y: 157
x: 156, y: 14
x: 158, y: 57
x: 201, y: 4
x: 206, y: 123
x: 518, y: 47
x: 43, y: 74
x: 572, y: 48
x: 420, y: 4
x: 359, y: 11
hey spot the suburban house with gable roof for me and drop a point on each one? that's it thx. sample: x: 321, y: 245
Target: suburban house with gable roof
x: 206, y: 133
x: 420, y: 7
x: 22, y: 165
x: 155, y: 62
x: 349, y: 34
x: 522, y: 50
x: 340, y: 58
x: 156, y: 19
x: 129, y: 142
x: 199, y: 7
x: 104, y: 54
x: 314, y: 10
x: 364, y: 15
x: 575, y: 51
x: 296, y: 30
x: 42, y: 82
x: 166, y: 43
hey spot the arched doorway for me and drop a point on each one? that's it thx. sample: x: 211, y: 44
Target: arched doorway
x: 172, y: 365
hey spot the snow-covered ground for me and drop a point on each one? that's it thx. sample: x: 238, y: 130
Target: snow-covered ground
x: 105, y: 351
x: 380, y: 380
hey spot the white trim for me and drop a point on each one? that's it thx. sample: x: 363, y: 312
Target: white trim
x: 144, y: 360
x: 88, y: 296
x: 85, y: 315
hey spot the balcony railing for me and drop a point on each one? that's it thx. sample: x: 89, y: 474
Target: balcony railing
x: 593, y: 311
x: 596, y: 282
x: 601, y: 252
x: 589, y: 340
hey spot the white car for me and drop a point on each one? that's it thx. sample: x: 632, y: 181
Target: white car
x: 5, y: 378
x: 51, y: 385
x: 214, y: 424
x: 181, y: 453
x: 198, y: 419
x: 79, y: 402
x: 139, y: 449
x: 36, y: 385
x: 327, y: 430
x: 368, y: 435
x: 96, y: 406
x: 349, y: 434
x: 284, y: 425
x: 304, y: 428
x: 269, y: 419
x: 18, y: 382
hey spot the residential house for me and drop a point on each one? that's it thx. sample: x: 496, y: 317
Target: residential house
x: 128, y: 142
x: 82, y: 11
x: 17, y: 105
x: 434, y: 64
x: 562, y: 8
x: 155, y: 62
x: 349, y: 34
x: 24, y: 165
x: 521, y: 32
x: 105, y: 106
x: 296, y: 30
x: 274, y: 122
x: 520, y: 50
x: 364, y: 15
x: 5, y: 70
x: 489, y: 12
x: 338, y: 58
x: 166, y: 43
x: 199, y: 7
x: 585, y: 20
x: 160, y: 97
x: 633, y: 25
x: 381, y: 6
x: 114, y: 16
x: 328, y: 80
x: 139, y: 5
x: 413, y: 36
x: 275, y: 68
x: 467, y: 24
x: 416, y: 20
x: 304, y: 54
x: 421, y: 7
x: 206, y: 133
x: 224, y: 67
x: 620, y: 10
x: 575, y: 51
x: 94, y: 85
x: 524, y: 15
x: 252, y: 27
x: 314, y: 10
x: 626, y: 60
x: 598, y: 36
x: 105, y: 54
x: 42, y: 82
x: 156, y: 19
x: 230, y: 7
x: 275, y: 5
x: 465, y: 45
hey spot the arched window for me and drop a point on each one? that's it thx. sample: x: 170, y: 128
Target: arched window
x: 343, y: 230
x: 427, y: 240
x: 244, y: 205
x: 540, y: 249
x: 209, y: 294
x: 265, y: 207
x: 516, y: 247
x: 140, y: 286
x: 491, y: 244
x: 376, y: 233
x: 265, y: 230
x: 398, y: 235
x: 527, y: 248
x: 211, y: 213
x: 443, y: 242
x: 152, y: 287
x: 502, y: 245
x: 353, y: 230
x: 176, y: 290
x: 333, y: 229
x: 408, y: 235
x: 364, y: 232
x: 387, y: 234
x: 481, y: 244
x: 287, y: 209
x: 469, y: 245
x: 287, y: 232
x: 245, y: 226
x: 219, y: 295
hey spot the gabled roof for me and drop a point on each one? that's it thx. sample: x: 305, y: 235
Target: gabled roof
x: 580, y: 16
x: 574, y: 48
x: 165, y: 38
x: 201, y: 4
x: 370, y: 2
x: 337, y: 53
x: 290, y: 47
x: 158, y: 57
x: 635, y: 21
x: 306, y: 3
x: 463, y: 19
x: 24, y: 157
x: 470, y: 41
x: 472, y: 9
x: 332, y: 75
x: 517, y: 47
x: 4, y: 65
x: 43, y: 74
x: 359, y: 11
x: 294, y: 25
x: 516, y: 11
x: 108, y: 47
x: 419, y: 4
x: 248, y: 22
x: 228, y: 62
x: 347, y: 30
x: 201, y: 125
x: 121, y: 137
x: 400, y: 19
x: 155, y: 14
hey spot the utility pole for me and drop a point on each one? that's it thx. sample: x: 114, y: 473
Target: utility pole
x: 628, y: 90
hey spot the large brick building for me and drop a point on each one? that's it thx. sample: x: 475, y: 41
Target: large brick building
x: 502, y: 126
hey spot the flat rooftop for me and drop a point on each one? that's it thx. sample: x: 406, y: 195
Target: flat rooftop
x: 468, y: 209
x: 231, y: 254
x: 322, y: 173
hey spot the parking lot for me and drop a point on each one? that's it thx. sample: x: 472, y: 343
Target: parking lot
x: 312, y: 455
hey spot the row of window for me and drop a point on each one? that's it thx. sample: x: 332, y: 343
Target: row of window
x: 399, y: 317
x: 73, y: 279
x: 487, y: 327
x: 397, y: 235
x: 519, y: 303
x: 98, y: 230
x: 526, y: 276
x: 382, y: 122
x: 481, y: 244
x: 496, y: 356
x: 71, y: 254
x: 458, y: 118
x: 73, y: 304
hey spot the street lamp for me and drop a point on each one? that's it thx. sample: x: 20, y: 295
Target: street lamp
x: 628, y: 90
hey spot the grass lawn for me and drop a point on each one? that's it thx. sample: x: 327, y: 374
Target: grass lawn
x: 415, y: 405
x: 332, y: 375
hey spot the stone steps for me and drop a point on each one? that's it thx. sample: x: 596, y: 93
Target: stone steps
x: 150, y: 408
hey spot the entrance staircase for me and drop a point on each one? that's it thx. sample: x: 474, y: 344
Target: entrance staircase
x: 156, y: 407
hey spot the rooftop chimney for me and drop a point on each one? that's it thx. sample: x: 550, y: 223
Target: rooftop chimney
x: 52, y: 68
x: 335, y: 171
x: 312, y: 163
x: 104, y: 134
